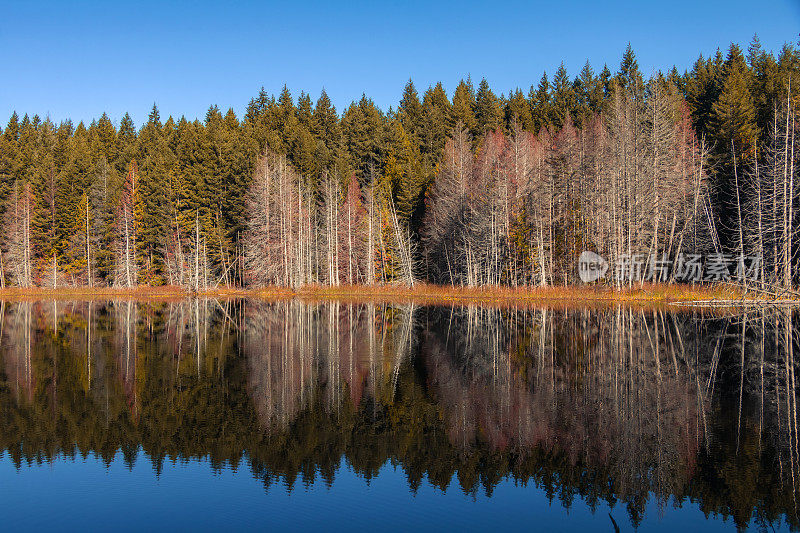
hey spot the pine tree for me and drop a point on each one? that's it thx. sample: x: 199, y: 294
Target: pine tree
x: 518, y: 111
x: 564, y: 98
x: 364, y: 130
x: 9, y: 164
x: 329, y: 151
x: 47, y: 209
x: 488, y: 115
x: 589, y: 95
x: 402, y: 171
x: 734, y: 114
x: 102, y: 207
x: 764, y: 89
x: 126, y: 145
x: 464, y: 106
x: 605, y: 85
x: 409, y: 112
x: 74, y: 183
x: 286, y: 122
x: 157, y: 161
x: 437, y: 113
x: 630, y: 78
x: 540, y: 104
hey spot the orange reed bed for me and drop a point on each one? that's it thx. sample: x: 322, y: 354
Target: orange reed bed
x: 421, y: 293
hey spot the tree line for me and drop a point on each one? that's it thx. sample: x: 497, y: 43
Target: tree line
x: 473, y: 189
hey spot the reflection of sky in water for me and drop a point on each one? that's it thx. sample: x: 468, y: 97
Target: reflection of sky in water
x: 84, y: 494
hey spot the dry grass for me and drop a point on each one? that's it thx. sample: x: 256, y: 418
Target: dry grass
x: 648, y: 294
x: 86, y: 293
x: 423, y: 293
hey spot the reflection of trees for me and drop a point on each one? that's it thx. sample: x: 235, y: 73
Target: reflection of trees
x: 600, y: 393
x: 614, y: 404
x: 293, y: 349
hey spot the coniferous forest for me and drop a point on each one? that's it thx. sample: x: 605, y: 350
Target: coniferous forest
x: 469, y: 190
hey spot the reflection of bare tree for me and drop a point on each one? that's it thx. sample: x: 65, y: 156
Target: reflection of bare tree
x: 16, y: 324
x: 647, y: 393
x: 294, y: 349
x: 601, y: 388
x: 127, y: 341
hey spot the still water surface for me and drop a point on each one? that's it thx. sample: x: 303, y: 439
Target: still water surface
x: 210, y: 414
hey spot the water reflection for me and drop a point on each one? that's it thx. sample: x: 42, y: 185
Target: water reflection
x: 617, y: 404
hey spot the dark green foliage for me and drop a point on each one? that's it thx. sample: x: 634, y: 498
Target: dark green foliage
x: 539, y: 99
x: 409, y: 112
x: 488, y: 114
x: 365, y: 131
x: 518, y: 111
x: 564, y: 98
x: 464, y: 105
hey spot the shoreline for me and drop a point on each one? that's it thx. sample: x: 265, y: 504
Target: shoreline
x: 424, y: 294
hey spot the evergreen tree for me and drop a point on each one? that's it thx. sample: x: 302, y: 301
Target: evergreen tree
x: 564, y: 98
x: 326, y: 128
x: 733, y: 113
x: 630, y: 78
x: 488, y: 115
x: 464, y: 105
x: 364, y: 130
x: 126, y: 145
x: 304, y: 110
x: 588, y: 95
x: 540, y: 104
x: 409, y: 112
x: 403, y: 173
x: 604, y: 87
x: 518, y: 111
x: 156, y: 163
x: 9, y: 164
x: 436, y: 117
x: 103, y: 139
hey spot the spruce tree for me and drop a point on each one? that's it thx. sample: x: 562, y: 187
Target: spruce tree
x: 402, y: 171
x: 436, y: 119
x: 409, y: 112
x: 156, y: 163
x: 9, y: 164
x: 588, y: 95
x: 733, y: 113
x: 329, y: 149
x: 488, y: 114
x: 564, y: 98
x: 540, y: 104
x: 464, y: 106
x: 126, y: 145
x: 364, y: 131
x: 630, y: 78
x: 517, y: 110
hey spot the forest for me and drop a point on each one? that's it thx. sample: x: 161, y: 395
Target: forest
x: 477, y: 189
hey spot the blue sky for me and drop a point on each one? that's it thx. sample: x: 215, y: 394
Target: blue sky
x: 79, y: 59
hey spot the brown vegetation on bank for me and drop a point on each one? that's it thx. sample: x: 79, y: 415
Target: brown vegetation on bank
x: 419, y: 293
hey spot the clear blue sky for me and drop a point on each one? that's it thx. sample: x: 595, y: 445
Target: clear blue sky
x: 78, y: 59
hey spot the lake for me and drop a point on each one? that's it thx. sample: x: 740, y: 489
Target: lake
x: 206, y: 414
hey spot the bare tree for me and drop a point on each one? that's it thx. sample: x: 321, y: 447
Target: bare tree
x: 127, y: 266
x: 19, y: 256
